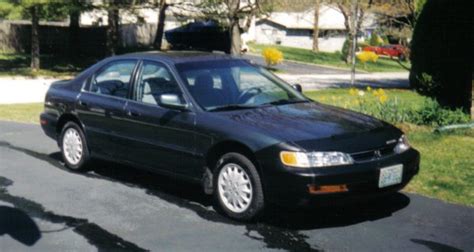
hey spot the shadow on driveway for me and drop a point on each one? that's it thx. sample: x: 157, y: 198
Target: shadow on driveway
x: 279, y: 228
x: 18, y: 225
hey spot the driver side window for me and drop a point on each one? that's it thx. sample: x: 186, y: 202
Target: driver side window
x: 114, y: 79
x: 155, y: 80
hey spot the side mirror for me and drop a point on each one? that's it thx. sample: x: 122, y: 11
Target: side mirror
x: 172, y: 101
x: 298, y: 87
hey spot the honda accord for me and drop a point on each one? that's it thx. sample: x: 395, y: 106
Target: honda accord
x: 245, y: 135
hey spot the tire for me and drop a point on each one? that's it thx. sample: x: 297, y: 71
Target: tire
x: 231, y: 167
x: 72, y: 135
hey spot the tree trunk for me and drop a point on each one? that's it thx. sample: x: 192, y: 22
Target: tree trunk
x: 161, y: 25
x: 350, y: 38
x: 35, y: 43
x: 316, y: 26
x: 347, y: 16
x: 472, y: 95
x: 235, y: 37
x: 74, y: 20
x: 112, y: 30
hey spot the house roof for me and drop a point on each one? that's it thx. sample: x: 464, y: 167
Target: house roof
x: 330, y: 18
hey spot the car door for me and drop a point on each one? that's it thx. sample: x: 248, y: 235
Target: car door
x: 159, y: 138
x: 101, y: 106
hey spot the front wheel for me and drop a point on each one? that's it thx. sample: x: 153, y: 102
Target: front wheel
x: 74, y: 147
x: 238, y: 188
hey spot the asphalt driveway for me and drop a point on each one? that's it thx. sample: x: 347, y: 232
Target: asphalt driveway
x: 44, y: 207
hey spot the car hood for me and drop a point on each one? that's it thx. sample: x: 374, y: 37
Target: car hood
x: 302, y: 123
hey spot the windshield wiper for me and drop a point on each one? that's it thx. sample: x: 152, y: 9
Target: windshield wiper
x: 230, y: 107
x: 283, y: 102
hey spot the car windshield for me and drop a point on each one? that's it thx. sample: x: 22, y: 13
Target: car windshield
x: 235, y: 84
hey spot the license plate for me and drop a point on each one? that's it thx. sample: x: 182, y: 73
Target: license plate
x: 391, y: 175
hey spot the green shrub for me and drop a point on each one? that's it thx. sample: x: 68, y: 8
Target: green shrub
x: 383, y: 106
x: 434, y: 115
x: 363, y: 44
x: 375, y: 40
x: 429, y: 85
x: 345, y: 49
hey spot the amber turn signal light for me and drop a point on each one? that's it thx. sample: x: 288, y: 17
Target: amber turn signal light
x: 315, y: 189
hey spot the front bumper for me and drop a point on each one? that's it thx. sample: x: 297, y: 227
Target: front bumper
x: 290, y: 187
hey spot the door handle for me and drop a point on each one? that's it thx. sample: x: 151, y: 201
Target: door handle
x: 83, y: 104
x: 133, y: 114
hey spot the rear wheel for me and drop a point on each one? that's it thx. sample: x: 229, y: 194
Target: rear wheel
x: 74, y: 147
x: 237, y: 187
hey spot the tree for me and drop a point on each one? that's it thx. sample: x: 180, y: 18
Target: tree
x: 75, y: 8
x: 113, y: 8
x: 236, y: 15
x: 34, y: 10
x: 442, y: 52
x: 317, y: 4
x: 347, y: 10
x: 35, y: 43
x: 162, y: 7
x: 398, y: 22
x: 291, y: 5
x: 113, y: 19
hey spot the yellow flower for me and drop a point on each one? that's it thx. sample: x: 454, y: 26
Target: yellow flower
x: 369, y: 89
x: 378, y: 92
x: 353, y: 91
x: 367, y: 56
x: 383, y: 98
x: 272, y: 56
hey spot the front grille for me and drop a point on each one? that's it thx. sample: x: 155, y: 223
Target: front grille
x: 373, y: 154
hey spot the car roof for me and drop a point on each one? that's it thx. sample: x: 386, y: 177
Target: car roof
x: 176, y: 57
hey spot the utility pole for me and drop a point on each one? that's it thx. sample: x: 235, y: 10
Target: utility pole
x: 354, y: 38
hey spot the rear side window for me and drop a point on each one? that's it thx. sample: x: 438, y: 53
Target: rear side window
x: 114, y: 79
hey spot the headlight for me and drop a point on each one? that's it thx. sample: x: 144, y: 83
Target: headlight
x: 402, y: 145
x: 314, y: 159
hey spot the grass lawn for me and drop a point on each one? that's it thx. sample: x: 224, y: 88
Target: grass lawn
x: 330, y: 59
x: 18, y: 64
x: 28, y: 113
x: 447, y: 165
x: 447, y: 160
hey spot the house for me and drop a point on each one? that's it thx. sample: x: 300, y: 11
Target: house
x: 295, y: 29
